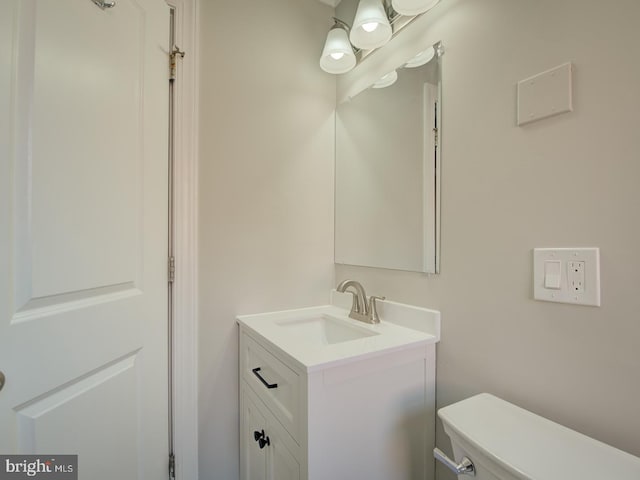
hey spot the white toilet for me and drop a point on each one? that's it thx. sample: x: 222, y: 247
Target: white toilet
x: 506, y: 442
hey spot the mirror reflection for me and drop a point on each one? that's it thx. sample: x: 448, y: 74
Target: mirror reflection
x: 387, y: 169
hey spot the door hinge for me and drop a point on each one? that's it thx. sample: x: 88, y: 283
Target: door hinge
x: 435, y: 136
x: 172, y: 465
x: 172, y: 269
x: 175, y: 53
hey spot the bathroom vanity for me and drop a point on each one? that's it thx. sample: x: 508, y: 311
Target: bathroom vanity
x: 324, y: 396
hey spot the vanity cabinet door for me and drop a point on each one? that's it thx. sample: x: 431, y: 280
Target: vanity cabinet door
x: 284, y: 466
x: 253, y: 461
x: 267, y: 449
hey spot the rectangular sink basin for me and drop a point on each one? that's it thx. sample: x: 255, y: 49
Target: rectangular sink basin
x: 323, y: 330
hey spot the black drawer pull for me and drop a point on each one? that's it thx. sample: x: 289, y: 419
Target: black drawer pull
x: 264, y: 382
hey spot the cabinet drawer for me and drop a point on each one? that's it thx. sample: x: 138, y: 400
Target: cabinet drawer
x: 277, y: 385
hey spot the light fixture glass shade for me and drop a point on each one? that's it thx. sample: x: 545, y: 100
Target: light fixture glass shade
x: 337, y: 55
x: 421, y: 58
x: 413, y: 7
x: 386, y: 80
x: 371, y: 28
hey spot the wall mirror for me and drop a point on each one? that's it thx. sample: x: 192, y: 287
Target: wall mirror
x: 387, y: 189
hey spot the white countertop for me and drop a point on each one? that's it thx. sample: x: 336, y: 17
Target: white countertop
x: 383, y: 337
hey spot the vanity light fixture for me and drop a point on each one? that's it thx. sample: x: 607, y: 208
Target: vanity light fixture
x: 337, y: 55
x: 413, y: 7
x: 371, y: 27
x: 386, y: 80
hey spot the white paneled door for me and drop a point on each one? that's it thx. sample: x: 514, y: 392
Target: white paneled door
x: 83, y: 233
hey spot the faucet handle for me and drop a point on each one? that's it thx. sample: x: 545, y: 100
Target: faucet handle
x: 355, y: 303
x: 373, y: 310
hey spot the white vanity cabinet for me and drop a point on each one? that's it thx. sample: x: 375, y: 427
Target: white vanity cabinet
x: 366, y: 416
x: 274, y: 454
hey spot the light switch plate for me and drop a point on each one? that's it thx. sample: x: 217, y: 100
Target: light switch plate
x: 588, y: 260
x: 545, y: 94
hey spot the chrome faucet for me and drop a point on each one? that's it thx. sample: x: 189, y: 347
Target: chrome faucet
x: 361, y: 309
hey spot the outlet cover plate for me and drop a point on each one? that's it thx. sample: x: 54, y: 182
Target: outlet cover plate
x: 565, y: 294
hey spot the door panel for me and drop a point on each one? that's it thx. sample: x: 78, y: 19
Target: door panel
x: 93, y: 76
x: 83, y: 233
x: 43, y: 423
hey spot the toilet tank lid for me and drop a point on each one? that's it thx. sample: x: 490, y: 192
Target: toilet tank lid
x: 533, y: 447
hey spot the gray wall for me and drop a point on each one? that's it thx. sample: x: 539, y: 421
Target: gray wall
x: 266, y: 188
x: 571, y: 180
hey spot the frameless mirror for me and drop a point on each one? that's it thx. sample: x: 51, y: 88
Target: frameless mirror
x: 387, y: 169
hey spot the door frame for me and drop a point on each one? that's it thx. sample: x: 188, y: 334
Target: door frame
x: 185, y: 234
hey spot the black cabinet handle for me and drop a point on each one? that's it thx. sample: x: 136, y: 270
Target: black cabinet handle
x: 262, y: 440
x: 264, y: 382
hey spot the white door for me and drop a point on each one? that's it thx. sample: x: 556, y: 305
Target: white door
x: 83, y: 233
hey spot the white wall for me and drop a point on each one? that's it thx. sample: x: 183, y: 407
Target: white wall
x: 567, y: 181
x: 266, y: 188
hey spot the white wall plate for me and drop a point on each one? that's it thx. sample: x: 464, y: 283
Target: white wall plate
x: 545, y: 94
x: 567, y: 275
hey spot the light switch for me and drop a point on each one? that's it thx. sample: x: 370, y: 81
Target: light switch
x: 552, y: 269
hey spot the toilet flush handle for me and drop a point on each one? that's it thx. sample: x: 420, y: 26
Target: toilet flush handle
x: 465, y: 467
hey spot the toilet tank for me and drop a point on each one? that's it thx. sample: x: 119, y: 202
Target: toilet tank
x: 506, y: 442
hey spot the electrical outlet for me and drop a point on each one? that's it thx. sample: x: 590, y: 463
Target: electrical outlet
x: 575, y: 276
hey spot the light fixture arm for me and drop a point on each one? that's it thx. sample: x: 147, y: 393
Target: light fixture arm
x: 391, y: 13
x: 340, y: 24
